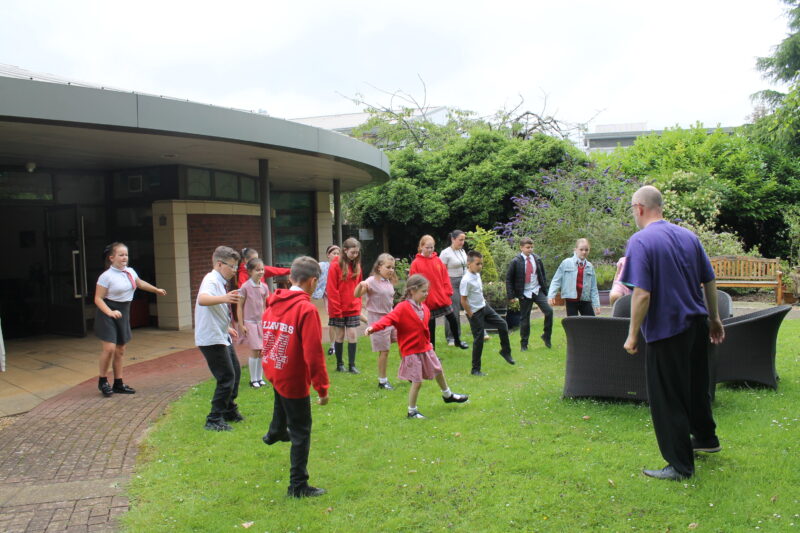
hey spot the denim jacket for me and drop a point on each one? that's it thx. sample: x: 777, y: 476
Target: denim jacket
x: 565, y: 280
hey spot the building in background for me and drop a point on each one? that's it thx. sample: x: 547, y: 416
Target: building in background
x: 82, y: 166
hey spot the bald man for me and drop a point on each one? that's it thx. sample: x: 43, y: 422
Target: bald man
x: 669, y: 270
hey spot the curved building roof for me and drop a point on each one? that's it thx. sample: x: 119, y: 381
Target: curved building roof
x: 58, y: 124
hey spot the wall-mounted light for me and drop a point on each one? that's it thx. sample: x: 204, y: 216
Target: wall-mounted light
x: 30, y: 167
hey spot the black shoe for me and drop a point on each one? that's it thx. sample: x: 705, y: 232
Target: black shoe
x: 217, y: 425
x: 122, y: 389
x: 668, y: 472
x: 477, y: 373
x: 456, y: 398
x: 524, y: 347
x: 415, y: 414
x: 105, y: 389
x: 233, y: 416
x: 463, y: 345
x: 269, y: 440
x: 385, y: 386
x: 547, y: 341
x: 709, y: 446
x: 508, y: 358
x: 353, y: 370
x: 340, y: 368
x: 306, y: 492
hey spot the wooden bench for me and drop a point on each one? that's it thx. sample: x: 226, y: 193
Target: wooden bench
x: 743, y: 271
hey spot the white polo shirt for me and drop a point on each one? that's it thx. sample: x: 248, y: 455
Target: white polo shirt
x: 472, y: 287
x: 211, y: 322
x: 120, y: 288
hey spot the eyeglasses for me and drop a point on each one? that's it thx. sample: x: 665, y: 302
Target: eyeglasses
x: 633, y: 206
x: 232, y: 267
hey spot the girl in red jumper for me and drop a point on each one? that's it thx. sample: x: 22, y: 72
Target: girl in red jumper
x: 410, y: 319
x: 344, y: 309
x: 439, y: 302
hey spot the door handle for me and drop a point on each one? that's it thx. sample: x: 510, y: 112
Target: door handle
x: 75, y: 293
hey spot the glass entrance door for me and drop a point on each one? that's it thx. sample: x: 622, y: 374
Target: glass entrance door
x: 67, y: 287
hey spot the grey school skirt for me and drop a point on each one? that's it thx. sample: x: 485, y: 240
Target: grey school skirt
x: 116, y: 330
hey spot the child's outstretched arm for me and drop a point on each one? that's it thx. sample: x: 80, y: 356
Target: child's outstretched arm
x: 142, y: 284
x: 389, y: 319
x: 555, y: 284
x: 271, y: 272
x: 361, y: 288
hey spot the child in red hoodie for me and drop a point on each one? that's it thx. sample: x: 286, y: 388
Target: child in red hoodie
x: 344, y: 309
x: 293, y: 360
x: 410, y: 319
x: 440, y: 295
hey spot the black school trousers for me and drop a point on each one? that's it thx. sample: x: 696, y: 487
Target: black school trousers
x: 291, y: 417
x: 224, y: 366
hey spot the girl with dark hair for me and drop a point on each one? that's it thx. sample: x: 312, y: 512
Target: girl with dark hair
x: 344, y: 309
x: 112, y: 324
x: 455, y: 259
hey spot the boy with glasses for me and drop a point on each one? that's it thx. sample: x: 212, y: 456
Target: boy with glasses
x: 213, y: 333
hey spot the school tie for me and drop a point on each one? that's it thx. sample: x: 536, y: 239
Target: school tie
x: 133, y: 283
x: 528, y: 270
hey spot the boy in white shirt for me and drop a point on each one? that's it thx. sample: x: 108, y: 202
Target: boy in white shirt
x: 481, y: 314
x: 213, y: 332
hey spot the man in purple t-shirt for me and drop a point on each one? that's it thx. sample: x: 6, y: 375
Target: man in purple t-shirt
x: 666, y: 266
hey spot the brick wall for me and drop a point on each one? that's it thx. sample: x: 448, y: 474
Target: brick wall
x: 206, y: 232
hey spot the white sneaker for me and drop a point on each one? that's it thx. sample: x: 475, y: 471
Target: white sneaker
x: 451, y: 342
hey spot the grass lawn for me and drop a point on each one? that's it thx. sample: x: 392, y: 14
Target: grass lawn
x: 517, y: 456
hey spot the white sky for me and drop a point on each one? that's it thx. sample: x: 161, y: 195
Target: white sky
x: 663, y: 63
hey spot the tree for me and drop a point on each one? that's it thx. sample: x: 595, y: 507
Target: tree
x: 756, y: 181
x: 468, y: 182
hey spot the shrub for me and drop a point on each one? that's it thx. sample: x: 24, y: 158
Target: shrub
x: 481, y: 240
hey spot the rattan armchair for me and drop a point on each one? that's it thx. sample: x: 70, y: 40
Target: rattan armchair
x: 597, y: 363
x: 748, y: 352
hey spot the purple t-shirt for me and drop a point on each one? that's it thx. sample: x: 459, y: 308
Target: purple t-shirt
x: 669, y: 262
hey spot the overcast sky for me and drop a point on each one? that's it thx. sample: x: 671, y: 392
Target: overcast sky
x: 663, y: 63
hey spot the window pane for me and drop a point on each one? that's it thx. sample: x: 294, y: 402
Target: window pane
x: 226, y: 186
x: 198, y: 183
x: 248, y: 189
x: 291, y: 200
x: 25, y: 186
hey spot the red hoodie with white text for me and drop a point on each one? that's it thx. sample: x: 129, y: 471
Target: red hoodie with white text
x: 292, y: 355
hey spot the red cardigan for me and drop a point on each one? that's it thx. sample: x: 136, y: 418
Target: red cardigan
x: 439, y: 288
x: 292, y: 356
x: 341, y: 302
x: 413, y: 335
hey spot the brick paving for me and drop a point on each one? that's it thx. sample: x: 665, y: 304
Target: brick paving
x: 64, y: 465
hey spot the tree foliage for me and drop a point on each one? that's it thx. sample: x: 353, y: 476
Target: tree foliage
x: 468, y: 182
x: 752, y: 181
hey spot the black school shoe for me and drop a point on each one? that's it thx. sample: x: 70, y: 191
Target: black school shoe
x: 385, y: 386
x: 217, y: 425
x: 547, y: 341
x: 122, y: 389
x: 233, y: 416
x: 269, y: 439
x: 456, y: 398
x: 105, y: 389
x: 305, y: 492
x: 508, y: 358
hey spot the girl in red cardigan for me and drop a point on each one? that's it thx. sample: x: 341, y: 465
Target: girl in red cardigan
x: 439, y: 301
x: 344, y: 309
x: 410, y: 319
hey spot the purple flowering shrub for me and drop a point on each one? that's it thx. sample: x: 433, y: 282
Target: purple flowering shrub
x: 567, y: 205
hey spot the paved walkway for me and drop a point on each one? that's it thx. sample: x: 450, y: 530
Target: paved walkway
x: 65, y: 463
